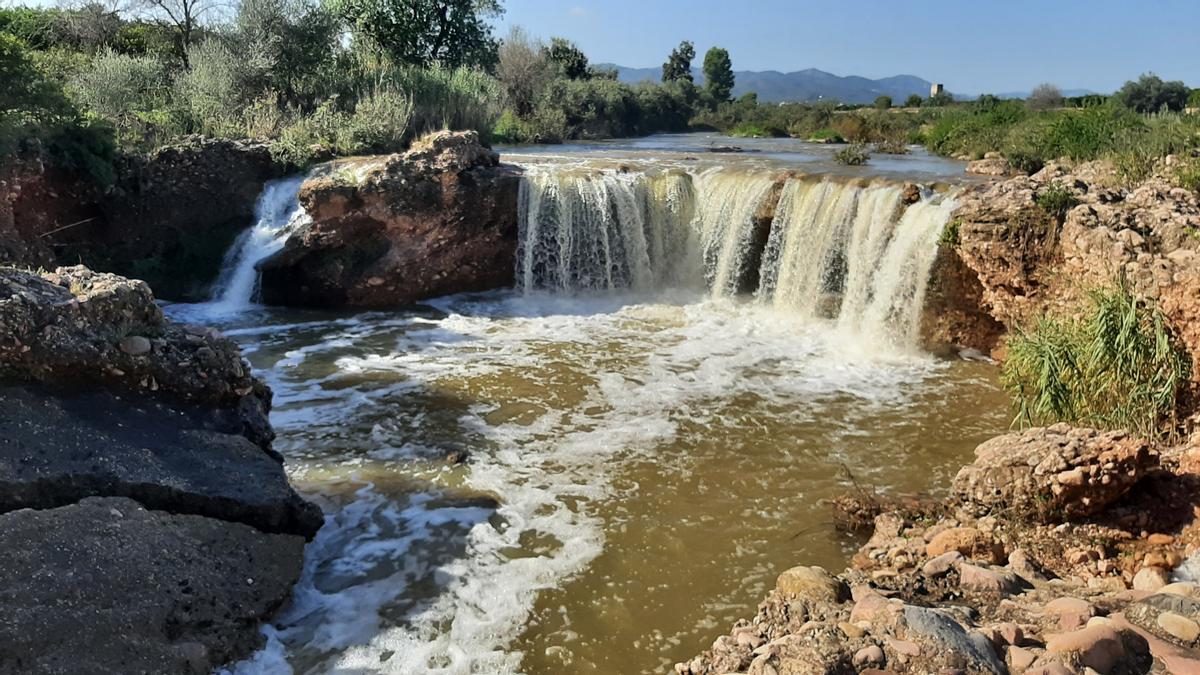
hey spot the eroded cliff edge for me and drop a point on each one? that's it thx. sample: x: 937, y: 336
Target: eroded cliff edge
x: 145, y: 523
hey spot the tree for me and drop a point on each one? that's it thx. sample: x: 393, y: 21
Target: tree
x: 90, y: 25
x: 679, y: 63
x: 938, y: 100
x: 1150, y: 94
x: 718, y: 74
x: 523, y: 69
x: 568, y: 59
x: 422, y: 32
x: 296, y: 37
x: 1194, y: 99
x: 883, y: 102
x: 182, y: 17
x: 913, y: 101
x: 1044, y: 97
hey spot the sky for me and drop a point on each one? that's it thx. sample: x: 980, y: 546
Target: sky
x: 972, y: 46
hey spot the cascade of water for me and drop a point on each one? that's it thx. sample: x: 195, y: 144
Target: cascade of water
x: 277, y: 213
x: 835, y: 248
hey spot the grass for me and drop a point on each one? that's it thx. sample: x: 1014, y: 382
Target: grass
x: 1118, y: 367
x: 950, y: 234
x: 1056, y: 200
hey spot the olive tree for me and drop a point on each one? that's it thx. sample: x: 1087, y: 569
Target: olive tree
x: 1150, y: 94
x: 423, y: 32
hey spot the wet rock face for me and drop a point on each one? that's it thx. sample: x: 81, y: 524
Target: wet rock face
x: 75, y: 326
x: 106, y: 586
x: 1044, y: 475
x: 58, y: 447
x: 438, y: 219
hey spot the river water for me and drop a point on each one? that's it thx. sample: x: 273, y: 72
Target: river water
x: 601, y: 469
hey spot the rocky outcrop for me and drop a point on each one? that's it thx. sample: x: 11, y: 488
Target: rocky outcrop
x: 106, y: 586
x: 76, y: 326
x: 1037, y: 243
x: 438, y: 219
x: 1049, y: 474
x: 145, y: 523
x: 167, y: 218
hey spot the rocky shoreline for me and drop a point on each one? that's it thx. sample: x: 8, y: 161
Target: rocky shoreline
x: 146, y: 524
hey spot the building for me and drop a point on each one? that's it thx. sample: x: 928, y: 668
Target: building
x: 935, y: 89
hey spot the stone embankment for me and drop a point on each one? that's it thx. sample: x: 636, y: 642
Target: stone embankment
x: 1056, y: 555
x: 438, y: 219
x: 145, y: 523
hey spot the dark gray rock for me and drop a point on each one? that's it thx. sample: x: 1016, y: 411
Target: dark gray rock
x: 949, y: 635
x: 58, y: 447
x: 105, y: 586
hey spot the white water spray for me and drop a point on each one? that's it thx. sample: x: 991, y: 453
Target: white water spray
x: 277, y: 214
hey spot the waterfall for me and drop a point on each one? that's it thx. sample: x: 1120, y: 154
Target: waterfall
x: 277, y: 214
x: 847, y: 252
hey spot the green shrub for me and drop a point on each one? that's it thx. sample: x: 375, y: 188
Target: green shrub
x: 1119, y: 367
x: 949, y: 237
x: 855, y: 154
x: 213, y: 92
x: 756, y: 130
x: 448, y: 98
x: 1187, y: 174
x: 380, y: 123
x: 1056, y: 200
x: 127, y: 91
x: 826, y: 136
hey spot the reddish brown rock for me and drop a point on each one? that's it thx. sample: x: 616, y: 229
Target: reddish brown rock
x: 1051, y: 473
x: 438, y: 219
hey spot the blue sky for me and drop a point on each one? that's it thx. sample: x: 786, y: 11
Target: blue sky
x: 973, y: 46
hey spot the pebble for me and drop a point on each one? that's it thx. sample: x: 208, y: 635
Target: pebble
x: 812, y: 583
x: 135, y: 345
x: 1179, y: 627
x: 850, y: 630
x: 905, y: 648
x: 1072, y: 613
x: 869, y: 656
x: 941, y: 565
x: 1150, y: 579
x: 984, y: 580
x: 1019, y: 659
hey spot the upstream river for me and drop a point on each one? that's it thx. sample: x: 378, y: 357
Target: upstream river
x: 602, y: 468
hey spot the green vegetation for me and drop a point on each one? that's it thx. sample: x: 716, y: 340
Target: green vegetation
x: 718, y: 75
x: 855, y: 154
x: 950, y: 234
x: 1119, y: 367
x: 1056, y: 200
x: 883, y: 102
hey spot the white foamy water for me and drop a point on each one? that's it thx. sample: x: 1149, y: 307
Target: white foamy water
x: 277, y: 214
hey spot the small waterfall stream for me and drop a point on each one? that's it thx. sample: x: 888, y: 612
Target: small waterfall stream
x: 842, y: 250
x: 277, y: 214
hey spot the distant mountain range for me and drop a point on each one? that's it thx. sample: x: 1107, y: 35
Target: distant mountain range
x: 814, y: 85
x: 803, y: 85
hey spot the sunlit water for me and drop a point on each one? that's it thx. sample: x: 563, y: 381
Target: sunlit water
x: 639, y: 472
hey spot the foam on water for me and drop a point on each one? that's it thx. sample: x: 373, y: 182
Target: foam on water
x: 427, y: 574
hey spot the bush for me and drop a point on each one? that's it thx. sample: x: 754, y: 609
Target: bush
x: 1119, y: 367
x: 855, y: 154
x: 593, y: 108
x: 1056, y: 200
x: 380, y: 123
x: 883, y: 102
x: 826, y: 136
x: 1149, y: 94
x: 120, y: 87
x: 448, y: 98
x: 214, y: 91
x: 1045, y: 97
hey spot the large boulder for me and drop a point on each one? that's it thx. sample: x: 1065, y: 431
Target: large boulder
x: 58, y: 447
x: 106, y: 587
x: 438, y: 219
x: 76, y: 326
x: 1052, y: 473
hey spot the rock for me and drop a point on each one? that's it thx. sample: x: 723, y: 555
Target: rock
x: 869, y: 656
x: 969, y: 542
x: 135, y: 345
x: 1150, y: 579
x: 993, y: 166
x: 438, y: 219
x: 813, y: 584
x: 1072, y: 613
x: 105, y: 586
x: 1053, y: 473
x: 987, y: 580
x: 1178, y: 627
x: 950, y: 636
x: 57, y: 447
x: 1025, y: 567
x: 942, y: 564
x: 1170, y: 616
x: 1019, y: 659
x: 1101, y: 647
x: 76, y: 327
